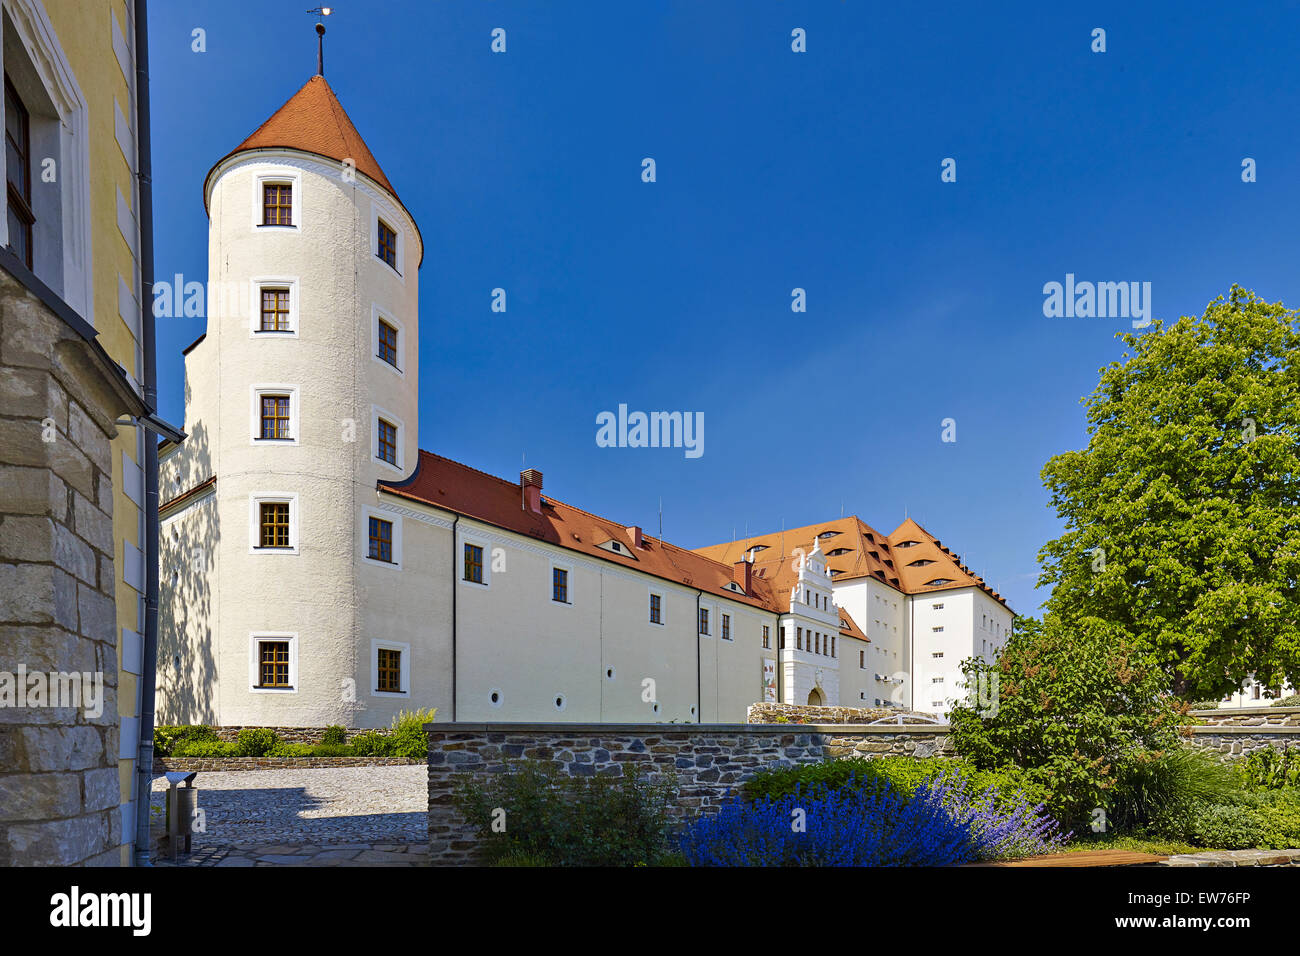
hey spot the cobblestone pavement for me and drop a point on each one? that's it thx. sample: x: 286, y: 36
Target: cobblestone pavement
x: 335, y: 816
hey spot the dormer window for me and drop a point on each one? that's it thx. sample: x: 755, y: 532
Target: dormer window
x: 921, y: 563
x: 838, y: 551
x: 827, y: 534
x: 938, y: 581
x: 907, y: 544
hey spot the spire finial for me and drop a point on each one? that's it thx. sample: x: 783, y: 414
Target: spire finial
x: 321, y: 14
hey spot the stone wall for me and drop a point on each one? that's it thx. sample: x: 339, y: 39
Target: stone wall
x: 709, y: 761
x: 59, y: 786
x: 774, y: 713
x: 1250, y: 717
x: 1236, y: 741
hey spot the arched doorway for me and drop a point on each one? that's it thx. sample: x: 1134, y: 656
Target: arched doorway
x: 815, y: 698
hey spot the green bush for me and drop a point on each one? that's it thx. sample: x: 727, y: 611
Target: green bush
x: 205, y: 748
x: 407, y: 736
x: 1204, y: 705
x: 1292, y: 701
x: 257, y: 741
x: 903, y: 774
x: 334, y: 734
x: 1077, y: 707
x: 166, y: 737
x: 371, y: 743
x: 282, y: 749
x: 1222, y: 826
x: 531, y: 810
x: 332, y: 750
x: 1270, y: 768
x: 1162, y: 789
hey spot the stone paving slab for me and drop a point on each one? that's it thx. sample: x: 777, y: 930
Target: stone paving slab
x: 1237, y: 858
x: 372, y: 816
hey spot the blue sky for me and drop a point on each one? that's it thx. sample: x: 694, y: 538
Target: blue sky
x: 775, y: 170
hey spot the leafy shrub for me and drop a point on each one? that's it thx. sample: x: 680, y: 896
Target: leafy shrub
x: 1270, y: 768
x: 282, y: 749
x: 331, y: 750
x: 334, y: 734
x: 166, y: 737
x: 1203, y: 705
x: 408, y: 739
x: 1161, y: 789
x: 371, y: 743
x: 1222, y: 826
x: 842, y: 827
x: 256, y: 741
x: 1078, y: 708
x: 205, y: 748
x: 569, y: 821
x: 903, y: 774
x: 1292, y: 701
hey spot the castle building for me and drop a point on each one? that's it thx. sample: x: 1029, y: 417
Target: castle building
x: 320, y: 568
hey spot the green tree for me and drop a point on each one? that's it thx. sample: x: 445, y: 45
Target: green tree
x: 1182, y: 515
x: 1077, y: 706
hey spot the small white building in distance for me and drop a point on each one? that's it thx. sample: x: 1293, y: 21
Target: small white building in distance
x: 318, y: 568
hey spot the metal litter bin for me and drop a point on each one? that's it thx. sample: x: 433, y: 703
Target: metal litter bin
x: 182, y: 801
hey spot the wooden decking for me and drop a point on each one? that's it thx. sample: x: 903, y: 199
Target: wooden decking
x: 1085, y: 858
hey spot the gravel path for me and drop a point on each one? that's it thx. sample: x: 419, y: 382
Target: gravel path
x: 317, y: 807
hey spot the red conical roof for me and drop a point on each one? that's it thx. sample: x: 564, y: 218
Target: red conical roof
x: 314, y: 121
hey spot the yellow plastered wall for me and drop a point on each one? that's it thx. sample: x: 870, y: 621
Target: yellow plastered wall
x: 95, y: 35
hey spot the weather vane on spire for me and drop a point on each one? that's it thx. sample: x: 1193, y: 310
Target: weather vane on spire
x: 321, y: 14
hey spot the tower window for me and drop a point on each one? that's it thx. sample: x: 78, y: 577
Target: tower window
x: 388, y: 343
x: 277, y: 204
x: 474, y: 563
x: 18, y: 173
x: 274, y: 524
x: 275, y: 416
x: 273, y: 664
x: 387, y: 244
x: 275, y: 310
x: 387, y: 441
x: 381, y: 540
x: 388, y: 671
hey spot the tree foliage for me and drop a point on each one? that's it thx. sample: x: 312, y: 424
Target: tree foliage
x: 1077, y: 706
x: 1182, y: 514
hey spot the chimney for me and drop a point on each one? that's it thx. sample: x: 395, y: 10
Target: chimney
x: 634, y: 532
x: 530, y: 484
x: 743, y: 574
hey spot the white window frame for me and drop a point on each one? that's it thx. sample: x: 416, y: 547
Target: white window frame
x: 478, y: 541
x: 278, y: 175
x: 256, y: 637
x: 376, y: 413
x: 568, y: 568
x: 255, y: 314
x: 368, y: 512
x: 378, y: 314
x: 663, y: 608
x: 255, y: 413
x: 404, y: 674
x: 391, y: 219
x: 255, y: 500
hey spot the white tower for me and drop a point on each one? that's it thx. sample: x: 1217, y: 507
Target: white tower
x: 300, y: 397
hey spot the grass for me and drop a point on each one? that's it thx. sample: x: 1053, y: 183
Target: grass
x: 1161, y: 846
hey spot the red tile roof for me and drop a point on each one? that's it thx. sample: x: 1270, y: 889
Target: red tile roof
x: 869, y: 554
x: 449, y: 485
